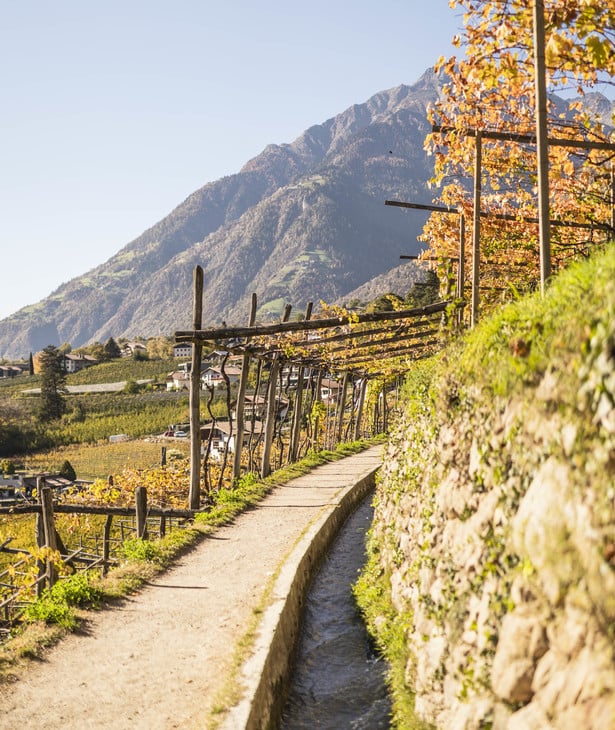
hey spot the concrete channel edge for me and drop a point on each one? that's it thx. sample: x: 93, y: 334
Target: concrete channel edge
x: 265, y: 674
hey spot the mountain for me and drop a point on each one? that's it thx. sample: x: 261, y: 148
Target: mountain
x: 300, y: 222
x: 396, y: 281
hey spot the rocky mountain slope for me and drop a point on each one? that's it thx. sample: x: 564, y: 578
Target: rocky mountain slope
x: 302, y: 221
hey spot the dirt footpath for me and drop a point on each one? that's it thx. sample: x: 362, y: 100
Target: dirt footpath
x: 159, y: 660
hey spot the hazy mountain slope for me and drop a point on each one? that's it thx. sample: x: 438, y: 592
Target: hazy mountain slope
x: 301, y: 221
x: 398, y: 280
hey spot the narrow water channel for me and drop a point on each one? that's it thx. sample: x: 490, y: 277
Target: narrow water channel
x: 339, y: 680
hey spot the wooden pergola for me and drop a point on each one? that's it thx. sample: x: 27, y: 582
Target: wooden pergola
x: 355, y: 347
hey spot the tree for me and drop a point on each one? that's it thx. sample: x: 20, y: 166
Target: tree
x: 424, y: 292
x: 111, y: 349
x: 160, y: 348
x: 385, y: 303
x: 53, y: 379
x: 131, y: 386
x: 67, y: 471
x: 492, y: 89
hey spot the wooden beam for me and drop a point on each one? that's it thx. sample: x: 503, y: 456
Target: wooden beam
x: 215, y: 334
x: 585, y: 144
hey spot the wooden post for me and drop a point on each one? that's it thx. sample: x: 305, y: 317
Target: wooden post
x: 298, y: 412
x: 163, y: 456
x: 542, y: 142
x: 107, y: 543
x: 271, y: 408
x: 612, y: 238
x: 141, y: 509
x: 461, y: 267
x: 317, y: 399
x: 357, y: 427
x: 241, y: 396
x: 476, y: 227
x: 194, y: 497
x: 39, y: 534
x: 385, y: 410
x: 342, y: 407
x: 49, y: 531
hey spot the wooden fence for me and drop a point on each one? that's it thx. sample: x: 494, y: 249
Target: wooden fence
x: 140, y: 521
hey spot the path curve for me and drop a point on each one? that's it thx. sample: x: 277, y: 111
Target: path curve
x: 159, y: 660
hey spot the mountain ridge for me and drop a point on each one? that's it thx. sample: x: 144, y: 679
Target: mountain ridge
x: 301, y: 221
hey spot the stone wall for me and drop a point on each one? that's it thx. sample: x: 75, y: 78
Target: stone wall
x: 495, y: 524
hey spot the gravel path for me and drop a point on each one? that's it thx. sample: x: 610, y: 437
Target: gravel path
x: 159, y: 660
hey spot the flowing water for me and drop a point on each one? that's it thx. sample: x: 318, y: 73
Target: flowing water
x: 339, y: 680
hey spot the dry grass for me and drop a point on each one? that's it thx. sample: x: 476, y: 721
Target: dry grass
x: 98, y: 461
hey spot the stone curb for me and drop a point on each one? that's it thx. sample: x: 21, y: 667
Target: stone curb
x: 265, y: 674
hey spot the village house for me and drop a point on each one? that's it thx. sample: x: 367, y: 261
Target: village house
x: 178, y: 380
x: 255, y: 406
x: 182, y: 350
x: 129, y: 349
x: 212, y: 376
x: 329, y: 390
x: 220, y: 432
x: 74, y: 362
x: 10, y: 371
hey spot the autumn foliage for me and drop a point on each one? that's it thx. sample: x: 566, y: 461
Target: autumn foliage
x: 491, y: 88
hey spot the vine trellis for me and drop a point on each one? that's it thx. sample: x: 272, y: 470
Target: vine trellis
x: 292, y: 358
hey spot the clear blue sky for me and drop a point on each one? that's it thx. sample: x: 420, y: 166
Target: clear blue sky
x: 114, y: 112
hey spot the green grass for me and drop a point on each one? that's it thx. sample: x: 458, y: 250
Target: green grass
x: 124, y: 368
x: 389, y: 628
x: 515, y: 346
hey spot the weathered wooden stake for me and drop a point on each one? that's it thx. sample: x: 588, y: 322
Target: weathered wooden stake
x: 107, y: 543
x: 476, y: 226
x: 241, y: 397
x: 317, y: 399
x: 461, y: 267
x: 357, y: 428
x: 194, y: 496
x: 298, y: 412
x: 342, y: 408
x: 39, y: 535
x: 163, y: 456
x: 141, y: 509
x: 542, y: 142
x: 49, y: 531
x: 271, y: 407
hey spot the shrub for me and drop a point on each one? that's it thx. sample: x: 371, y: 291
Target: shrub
x: 67, y: 471
x: 7, y: 466
x: 56, y: 605
x: 141, y: 550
